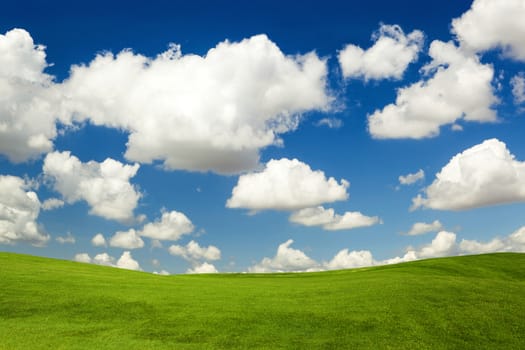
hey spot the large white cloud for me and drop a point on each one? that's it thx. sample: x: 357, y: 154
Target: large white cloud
x: 171, y: 226
x: 104, y: 186
x: 346, y: 259
x: 485, y: 174
x: 286, y: 185
x: 214, y: 112
x: 126, y: 239
x: 27, y: 99
x: 19, y: 209
x: 389, y: 57
x: 126, y: 261
x: 460, y: 88
x: 329, y: 220
x: 492, y: 24
x: 193, y: 251
x: 286, y: 259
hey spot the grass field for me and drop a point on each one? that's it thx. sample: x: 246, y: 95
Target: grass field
x: 470, y: 302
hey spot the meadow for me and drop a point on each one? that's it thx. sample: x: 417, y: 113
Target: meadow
x: 468, y: 302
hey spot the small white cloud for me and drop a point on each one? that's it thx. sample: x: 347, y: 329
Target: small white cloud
x: 483, y: 175
x: 518, y: 88
x: 155, y: 243
x: 193, y: 251
x: 389, y: 57
x: 104, y: 259
x: 98, y: 240
x: 286, y: 259
x: 161, y: 272
x: 420, y: 228
x: 286, y: 185
x: 332, y: 123
x: 410, y: 179
x: 126, y: 261
x: 82, y: 257
x: 126, y: 239
x: 104, y: 186
x: 68, y: 239
x: 346, y: 260
x: 475, y: 247
x: 459, y: 89
x: 443, y: 244
x: 319, y: 216
x: 203, y: 268
x: 19, y: 210
x: 490, y: 24
x: 171, y: 226
x: 52, y: 203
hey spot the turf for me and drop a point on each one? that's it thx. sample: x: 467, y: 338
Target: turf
x: 469, y: 302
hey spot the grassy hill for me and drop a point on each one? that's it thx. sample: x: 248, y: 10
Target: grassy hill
x: 470, y: 302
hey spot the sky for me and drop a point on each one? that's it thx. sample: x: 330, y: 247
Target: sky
x: 198, y: 137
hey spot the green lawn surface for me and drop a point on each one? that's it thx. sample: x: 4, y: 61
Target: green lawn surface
x: 468, y: 302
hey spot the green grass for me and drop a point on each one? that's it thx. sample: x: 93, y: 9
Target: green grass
x: 470, y: 302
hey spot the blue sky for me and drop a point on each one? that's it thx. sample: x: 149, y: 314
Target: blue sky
x: 219, y: 136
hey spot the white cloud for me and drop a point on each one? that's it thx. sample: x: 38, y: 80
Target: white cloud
x: 485, y: 174
x: 68, y: 239
x: 442, y: 245
x: 104, y: 259
x: 27, y: 122
x: 475, y: 247
x: 161, y: 272
x: 126, y: 239
x: 104, y: 186
x: 199, y: 113
x: 346, y: 260
x: 490, y: 24
x: 19, y: 210
x: 420, y: 228
x: 171, y: 226
x: 409, y: 179
x: 332, y: 123
x: 193, y: 251
x: 389, y: 57
x: 52, y: 203
x: 319, y: 216
x: 82, y: 257
x: 126, y: 261
x: 518, y: 87
x: 460, y: 88
x: 203, y: 268
x: 98, y: 240
x: 286, y: 185
x: 287, y: 259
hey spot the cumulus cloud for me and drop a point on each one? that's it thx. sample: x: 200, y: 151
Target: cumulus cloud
x: 286, y: 185
x: 490, y: 24
x: 193, y: 251
x: 410, y: 179
x: 286, y: 259
x: 346, y: 260
x: 319, y: 216
x: 518, y: 87
x: 483, y: 175
x: 27, y: 98
x: 459, y: 88
x: 389, y: 57
x: 125, y: 261
x: 213, y: 112
x: 104, y: 186
x: 98, y: 240
x: 420, y: 228
x: 68, y: 239
x: 19, y: 210
x: 171, y: 226
x: 126, y: 239
x: 203, y: 268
